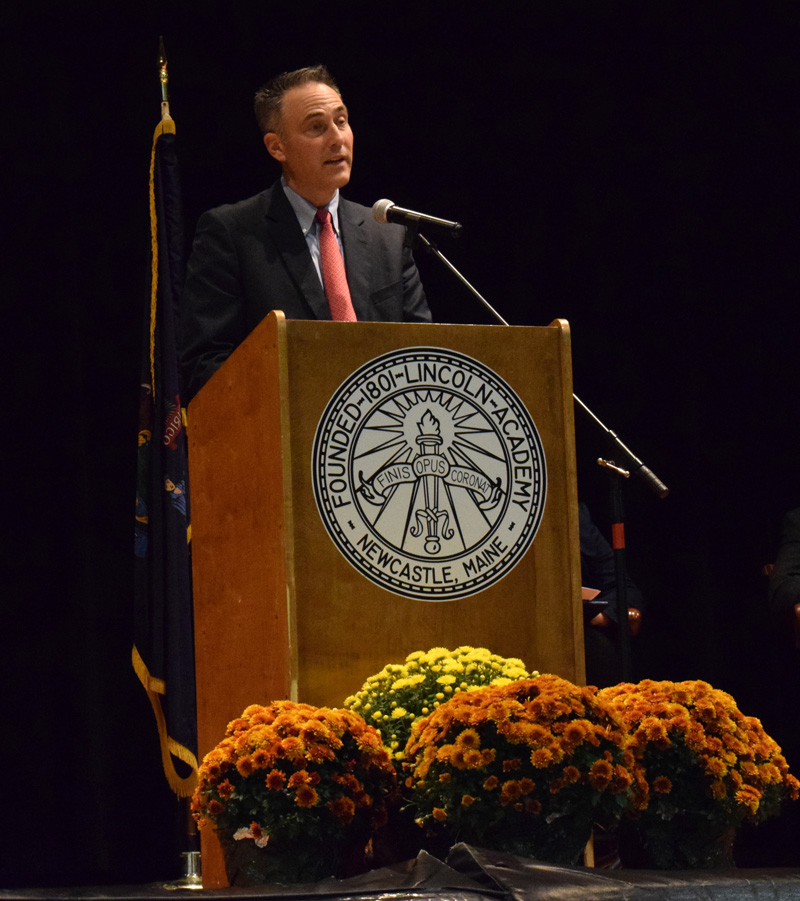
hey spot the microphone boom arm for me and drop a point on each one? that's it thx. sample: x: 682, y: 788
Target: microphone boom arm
x: 637, y: 467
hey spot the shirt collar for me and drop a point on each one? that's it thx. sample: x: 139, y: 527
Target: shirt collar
x: 306, y: 211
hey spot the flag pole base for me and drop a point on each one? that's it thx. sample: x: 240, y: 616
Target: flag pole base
x: 192, y: 878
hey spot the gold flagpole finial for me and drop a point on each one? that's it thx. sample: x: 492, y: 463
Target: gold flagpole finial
x: 162, y: 67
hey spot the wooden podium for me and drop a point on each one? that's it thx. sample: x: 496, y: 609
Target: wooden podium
x: 279, y: 611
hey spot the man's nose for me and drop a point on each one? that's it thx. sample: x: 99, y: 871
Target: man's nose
x: 336, y: 134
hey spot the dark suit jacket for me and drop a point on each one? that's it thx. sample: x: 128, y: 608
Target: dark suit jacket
x: 251, y: 257
x: 598, y: 569
x: 784, y: 582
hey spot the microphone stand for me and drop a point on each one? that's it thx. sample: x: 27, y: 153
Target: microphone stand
x: 617, y: 474
x: 631, y: 464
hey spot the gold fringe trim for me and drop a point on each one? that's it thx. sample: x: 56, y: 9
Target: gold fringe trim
x: 183, y: 787
x: 185, y: 419
x: 166, y: 126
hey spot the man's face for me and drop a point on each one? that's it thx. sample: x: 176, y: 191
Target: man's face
x: 315, y: 144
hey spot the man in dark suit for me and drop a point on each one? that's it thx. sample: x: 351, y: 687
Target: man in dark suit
x: 268, y: 252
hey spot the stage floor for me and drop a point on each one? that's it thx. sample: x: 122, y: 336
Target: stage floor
x: 474, y: 874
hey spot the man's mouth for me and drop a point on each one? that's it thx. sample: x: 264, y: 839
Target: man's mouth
x: 336, y: 160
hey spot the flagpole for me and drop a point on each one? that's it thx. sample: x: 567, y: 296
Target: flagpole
x: 191, y: 878
x: 164, y: 78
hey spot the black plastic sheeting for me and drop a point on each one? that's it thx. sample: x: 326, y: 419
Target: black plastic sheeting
x: 474, y: 874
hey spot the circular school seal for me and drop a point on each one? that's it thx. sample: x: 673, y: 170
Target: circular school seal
x: 429, y: 473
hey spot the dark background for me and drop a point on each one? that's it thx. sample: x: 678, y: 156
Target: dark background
x: 630, y: 167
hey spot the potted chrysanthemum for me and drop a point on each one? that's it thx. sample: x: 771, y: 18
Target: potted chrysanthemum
x: 295, y: 793
x: 524, y: 768
x: 402, y: 693
x: 701, y: 769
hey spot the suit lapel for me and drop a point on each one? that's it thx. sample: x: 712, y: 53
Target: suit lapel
x: 357, y: 257
x: 288, y: 238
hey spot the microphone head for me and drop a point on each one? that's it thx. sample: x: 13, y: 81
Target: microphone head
x: 380, y: 209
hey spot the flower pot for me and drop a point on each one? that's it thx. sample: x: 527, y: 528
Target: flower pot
x: 686, y: 842
x: 289, y: 861
x: 560, y: 843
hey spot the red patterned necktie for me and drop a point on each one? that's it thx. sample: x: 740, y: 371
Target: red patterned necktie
x: 333, y: 275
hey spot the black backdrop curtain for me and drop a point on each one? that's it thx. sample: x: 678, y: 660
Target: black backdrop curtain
x: 629, y: 167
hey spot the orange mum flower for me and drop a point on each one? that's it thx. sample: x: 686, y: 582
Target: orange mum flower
x: 749, y: 796
x: 370, y: 742
x: 715, y: 767
x: 793, y: 785
x: 261, y: 759
x: 662, y: 785
x: 473, y: 759
x: 654, y: 729
x: 225, y: 789
x: 342, y: 808
x: 349, y: 781
x: 575, y: 732
x: 488, y: 755
x: 556, y: 785
x: 469, y: 738
x: 245, y: 766
x: 541, y: 758
x: 237, y: 725
x: 622, y: 780
x: 301, y: 777
x: 600, y: 774
x: 292, y: 747
x: 718, y: 790
x: 306, y: 796
x: 537, y: 734
x: 511, y: 791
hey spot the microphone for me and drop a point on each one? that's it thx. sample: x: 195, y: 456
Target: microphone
x: 386, y: 211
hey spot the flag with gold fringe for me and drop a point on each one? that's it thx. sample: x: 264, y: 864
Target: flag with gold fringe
x: 163, y: 652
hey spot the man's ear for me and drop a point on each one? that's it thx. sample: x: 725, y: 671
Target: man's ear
x: 274, y: 146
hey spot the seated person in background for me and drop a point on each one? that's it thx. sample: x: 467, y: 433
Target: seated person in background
x: 784, y: 580
x: 603, y: 665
